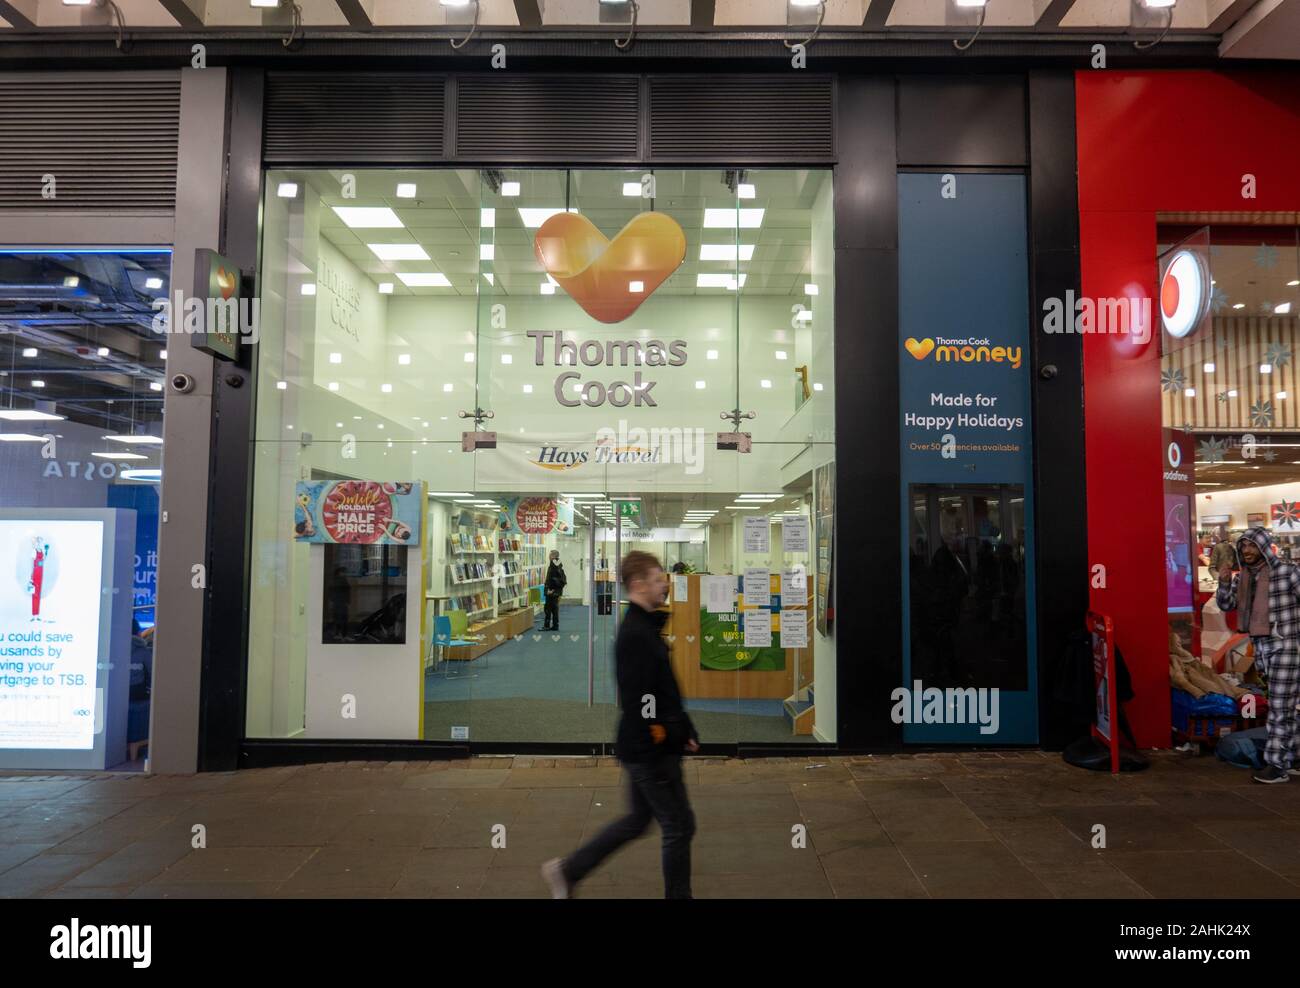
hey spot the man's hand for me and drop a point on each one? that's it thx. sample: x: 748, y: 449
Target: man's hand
x: 692, y: 746
x: 1225, y: 573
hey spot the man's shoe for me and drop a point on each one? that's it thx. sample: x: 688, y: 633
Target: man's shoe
x: 553, y: 872
x: 1293, y: 770
x: 1271, y: 775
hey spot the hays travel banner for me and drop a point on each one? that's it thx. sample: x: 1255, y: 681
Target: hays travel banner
x: 966, y: 498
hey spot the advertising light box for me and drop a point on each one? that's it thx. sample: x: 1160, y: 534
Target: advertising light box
x: 49, y: 626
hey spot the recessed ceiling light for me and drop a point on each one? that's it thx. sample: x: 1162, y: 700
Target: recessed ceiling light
x: 507, y: 358
x: 1266, y: 368
x: 71, y: 281
x: 406, y: 190
x: 746, y: 190
x: 120, y: 456
x: 403, y: 359
x: 1232, y: 393
x: 711, y: 355
x: 817, y: 387
x: 699, y: 385
x: 469, y: 356
x: 1208, y: 368
x: 1189, y: 392
x: 424, y: 279
x: 728, y: 281
x: 135, y: 440
x: 333, y: 385
x: 726, y: 252
x: 155, y: 385
x: 546, y: 288
x: 730, y: 219
x: 636, y: 287
x: 765, y: 383
x: 153, y: 283
x: 1293, y: 283
x: 102, y: 351
x: 631, y: 189
x: 446, y: 387
x: 487, y: 217
x: 368, y: 217
x: 1282, y: 309
x: 30, y: 351
x: 1281, y: 396
x: 399, y: 252
x: 282, y: 385
x: 535, y: 217
x: 20, y: 437
x: 1239, y: 305
x: 38, y: 384
x: 28, y: 415
x: 528, y: 389
x: 510, y: 188
x: 781, y: 355
x: 286, y: 190
x: 486, y: 252
x: 309, y: 288
x: 336, y: 358
x: 385, y: 288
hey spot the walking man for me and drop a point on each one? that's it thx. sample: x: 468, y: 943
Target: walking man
x: 1265, y: 593
x: 653, y: 732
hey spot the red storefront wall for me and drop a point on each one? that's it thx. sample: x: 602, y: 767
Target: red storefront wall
x: 1154, y: 142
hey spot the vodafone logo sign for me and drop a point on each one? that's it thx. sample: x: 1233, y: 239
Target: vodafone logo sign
x: 1184, y: 293
x: 1175, y: 456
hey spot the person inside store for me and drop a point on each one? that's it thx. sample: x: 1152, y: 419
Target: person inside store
x: 1265, y: 593
x: 1223, y: 554
x: 554, y: 587
x: 654, y: 732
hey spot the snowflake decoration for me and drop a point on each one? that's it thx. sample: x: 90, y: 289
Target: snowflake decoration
x: 1261, y: 413
x: 1223, y: 396
x: 1287, y: 514
x: 1266, y: 257
x: 1269, y: 455
x: 1218, y: 299
x: 1277, y: 354
x: 1212, y: 450
x: 1173, y: 381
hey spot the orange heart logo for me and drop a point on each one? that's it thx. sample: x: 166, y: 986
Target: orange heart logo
x: 920, y: 350
x: 225, y: 282
x: 610, y: 278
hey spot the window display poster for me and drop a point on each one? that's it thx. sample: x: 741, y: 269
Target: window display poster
x: 757, y: 587
x: 537, y: 516
x: 794, y: 584
x: 758, y: 628
x: 794, y: 629
x: 794, y: 533
x: 824, y: 504
x: 364, y: 512
x: 50, y: 600
x: 758, y: 534
x: 719, y: 594
x: 1180, y: 567
x: 681, y: 588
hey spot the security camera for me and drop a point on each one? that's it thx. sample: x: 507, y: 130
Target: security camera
x: 1048, y: 372
x: 182, y: 383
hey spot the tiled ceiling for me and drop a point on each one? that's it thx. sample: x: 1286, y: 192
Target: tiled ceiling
x: 444, y: 218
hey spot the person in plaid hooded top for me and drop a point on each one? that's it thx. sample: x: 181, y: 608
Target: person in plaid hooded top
x: 1266, y: 596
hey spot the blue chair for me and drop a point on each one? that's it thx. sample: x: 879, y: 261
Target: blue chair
x: 443, y: 639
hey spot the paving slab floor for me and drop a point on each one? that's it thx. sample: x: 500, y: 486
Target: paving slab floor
x: 1019, y: 824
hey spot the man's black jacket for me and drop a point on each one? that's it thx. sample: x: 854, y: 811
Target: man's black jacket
x: 555, y: 579
x: 643, y: 671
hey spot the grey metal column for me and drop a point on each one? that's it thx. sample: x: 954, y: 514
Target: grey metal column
x: 187, y: 438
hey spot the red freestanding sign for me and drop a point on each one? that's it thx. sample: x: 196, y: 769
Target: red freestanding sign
x: 1103, y: 677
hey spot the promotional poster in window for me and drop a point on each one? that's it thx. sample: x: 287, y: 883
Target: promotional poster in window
x: 358, y: 512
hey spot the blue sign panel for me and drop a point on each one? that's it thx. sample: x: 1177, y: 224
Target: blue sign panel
x: 965, y: 448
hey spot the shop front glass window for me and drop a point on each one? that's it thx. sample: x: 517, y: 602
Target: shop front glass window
x: 548, y: 357
x: 82, y: 371
x: 1228, y: 382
